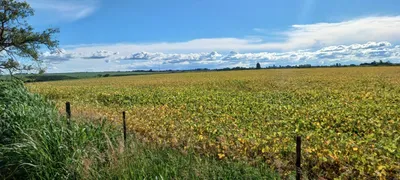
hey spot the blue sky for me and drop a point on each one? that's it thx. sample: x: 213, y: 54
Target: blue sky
x: 102, y: 35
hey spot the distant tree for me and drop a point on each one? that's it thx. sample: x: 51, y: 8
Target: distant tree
x: 17, y: 38
x: 380, y: 63
x: 258, y: 66
x: 304, y: 66
x: 106, y: 75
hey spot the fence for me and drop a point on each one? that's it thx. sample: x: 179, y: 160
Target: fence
x: 298, y: 139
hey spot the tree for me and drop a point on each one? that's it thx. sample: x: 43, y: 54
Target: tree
x: 18, y: 41
x: 258, y: 66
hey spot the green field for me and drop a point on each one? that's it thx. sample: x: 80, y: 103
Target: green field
x: 74, y: 75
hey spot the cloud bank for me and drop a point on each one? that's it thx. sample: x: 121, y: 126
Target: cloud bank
x: 345, y: 54
x: 355, y: 53
x: 354, y: 41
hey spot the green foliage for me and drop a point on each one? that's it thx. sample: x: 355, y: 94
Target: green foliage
x: 70, y: 76
x: 36, y: 143
x: 17, y: 37
x: 258, y: 66
x: 349, y: 118
x: 145, y: 161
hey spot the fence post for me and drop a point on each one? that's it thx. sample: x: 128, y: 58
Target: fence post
x: 68, y: 110
x: 298, y: 158
x: 124, y: 125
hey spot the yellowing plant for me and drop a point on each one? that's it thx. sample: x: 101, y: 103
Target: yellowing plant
x: 349, y: 118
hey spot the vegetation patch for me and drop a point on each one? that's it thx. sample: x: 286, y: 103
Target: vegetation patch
x: 348, y: 117
x: 38, y: 143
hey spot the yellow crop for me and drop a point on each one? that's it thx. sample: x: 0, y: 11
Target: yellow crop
x: 349, y: 118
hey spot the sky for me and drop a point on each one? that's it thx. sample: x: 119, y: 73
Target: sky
x: 125, y: 35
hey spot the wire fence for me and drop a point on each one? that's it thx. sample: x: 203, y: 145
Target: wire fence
x: 298, y: 139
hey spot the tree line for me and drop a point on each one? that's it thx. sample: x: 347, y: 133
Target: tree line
x: 258, y: 66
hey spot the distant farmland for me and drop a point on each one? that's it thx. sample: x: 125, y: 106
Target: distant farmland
x: 349, y: 118
x: 75, y: 75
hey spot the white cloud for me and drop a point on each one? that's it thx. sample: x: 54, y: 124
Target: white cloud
x: 64, y: 10
x: 297, y: 37
x: 107, y: 60
x: 196, y: 45
x: 61, y: 55
x: 356, y: 52
x: 57, y: 56
x: 353, y: 31
x: 353, y: 41
x: 101, y: 54
x: 168, y: 57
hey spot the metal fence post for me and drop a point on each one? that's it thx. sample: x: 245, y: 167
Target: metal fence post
x: 124, y: 125
x: 298, y: 158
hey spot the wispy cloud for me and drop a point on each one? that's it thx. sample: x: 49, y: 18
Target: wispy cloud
x: 304, y: 36
x: 65, y: 10
x: 353, y: 31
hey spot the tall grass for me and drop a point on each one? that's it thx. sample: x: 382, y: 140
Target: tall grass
x: 37, y: 143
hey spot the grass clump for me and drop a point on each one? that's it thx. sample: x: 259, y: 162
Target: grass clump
x: 37, y: 143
